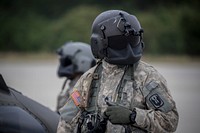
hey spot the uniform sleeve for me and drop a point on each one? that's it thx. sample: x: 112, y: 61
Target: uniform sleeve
x: 161, y: 115
x: 64, y: 127
x: 69, y: 114
x: 69, y: 111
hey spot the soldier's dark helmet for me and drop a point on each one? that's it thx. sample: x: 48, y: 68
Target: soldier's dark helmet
x: 117, y: 37
x: 75, y: 57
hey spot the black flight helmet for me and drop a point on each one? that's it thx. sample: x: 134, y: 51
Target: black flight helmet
x: 117, y: 38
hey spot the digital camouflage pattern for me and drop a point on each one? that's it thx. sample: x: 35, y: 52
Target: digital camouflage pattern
x: 65, y: 93
x: 147, y: 94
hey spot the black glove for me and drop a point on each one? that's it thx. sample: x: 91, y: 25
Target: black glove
x: 119, y: 115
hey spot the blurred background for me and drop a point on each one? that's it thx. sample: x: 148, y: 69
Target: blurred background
x: 31, y: 31
x: 171, y: 27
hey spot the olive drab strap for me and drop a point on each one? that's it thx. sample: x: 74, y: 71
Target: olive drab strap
x: 95, y: 84
x: 86, y: 85
x: 94, y: 89
x: 90, y: 121
x: 127, y: 76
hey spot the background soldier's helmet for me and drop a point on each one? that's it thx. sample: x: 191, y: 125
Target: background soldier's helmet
x: 117, y: 37
x: 75, y: 57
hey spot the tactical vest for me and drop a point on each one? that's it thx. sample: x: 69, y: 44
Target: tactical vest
x: 153, y: 96
x: 92, y: 112
x: 94, y: 89
x: 95, y: 85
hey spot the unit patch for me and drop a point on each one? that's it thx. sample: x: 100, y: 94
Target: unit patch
x: 156, y: 101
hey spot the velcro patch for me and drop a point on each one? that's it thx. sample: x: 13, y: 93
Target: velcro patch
x: 156, y: 101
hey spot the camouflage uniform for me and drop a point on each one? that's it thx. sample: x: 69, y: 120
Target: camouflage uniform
x: 65, y: 94
x: 147, y: 94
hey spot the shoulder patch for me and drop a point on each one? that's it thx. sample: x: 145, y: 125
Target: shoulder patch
x: 76, y: 97
x: 156, y: 101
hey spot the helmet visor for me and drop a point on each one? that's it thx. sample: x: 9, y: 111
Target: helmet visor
x: 65, y: 61
x: 121, y: 41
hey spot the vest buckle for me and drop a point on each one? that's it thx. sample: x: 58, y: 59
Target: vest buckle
x: 95, y: 76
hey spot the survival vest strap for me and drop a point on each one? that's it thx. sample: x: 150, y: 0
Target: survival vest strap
x: 90, y: 116
x: 90, y: 120
x: 127, y: 76
x: 94, y: 89
x: 95, y: 84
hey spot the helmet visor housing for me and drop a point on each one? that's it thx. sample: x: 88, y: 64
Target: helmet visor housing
x: 118, y: 37
x: 121, y: 41
x: 75, y: 58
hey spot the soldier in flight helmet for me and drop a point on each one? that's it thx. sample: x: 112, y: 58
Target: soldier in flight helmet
x: 117, y: 37
x: 75, y: 58
x: 121, y: 93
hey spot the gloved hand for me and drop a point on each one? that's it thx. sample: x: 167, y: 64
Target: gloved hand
x: 118, y: 114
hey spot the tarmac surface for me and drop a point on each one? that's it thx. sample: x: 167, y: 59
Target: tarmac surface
x: 38, y: 80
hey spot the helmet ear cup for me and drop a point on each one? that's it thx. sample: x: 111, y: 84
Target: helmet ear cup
x: 97, y: 46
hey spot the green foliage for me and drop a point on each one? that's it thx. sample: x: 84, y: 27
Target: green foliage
x: 42, y: 34
x: 190, y: 21
x: 162, y: 31
x: 171, y: 27
x: 75, y: 25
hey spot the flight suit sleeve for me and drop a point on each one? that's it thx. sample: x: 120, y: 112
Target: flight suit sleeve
x: 161, y: 115
x: 69, y: 114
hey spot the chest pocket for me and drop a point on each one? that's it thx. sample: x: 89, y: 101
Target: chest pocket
x: 132, y: 96
x: 126, y: 93
x: 157, y: 98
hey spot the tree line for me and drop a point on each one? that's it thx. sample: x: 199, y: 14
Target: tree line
x: 170, y: 27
